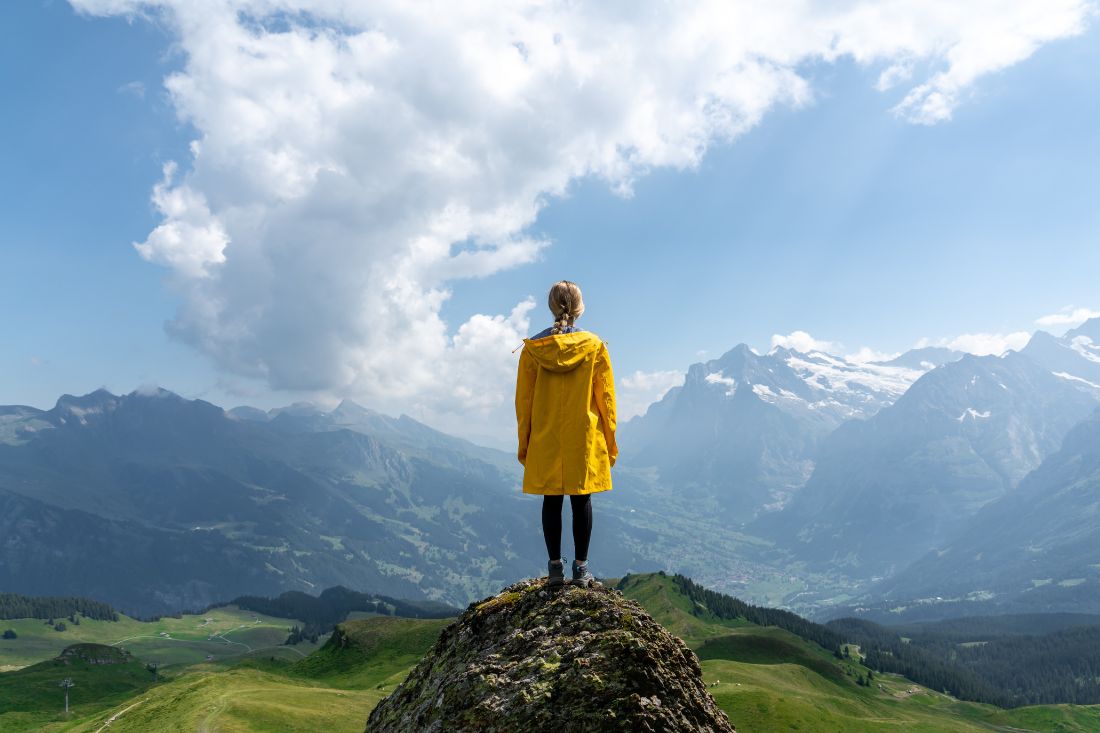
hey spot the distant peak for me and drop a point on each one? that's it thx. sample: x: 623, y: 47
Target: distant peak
x: 1040, y: 337
x: 298, y: 409
x: 245, y: 412
x: 347, y: 405
x: 924, y: 358
x: 99, y: 397
x: 153, y: 392
x: 1090, y: 328
x: 739, y: 354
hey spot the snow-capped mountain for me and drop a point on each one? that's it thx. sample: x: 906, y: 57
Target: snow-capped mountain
x: 924, y: 358
x: 838, y: 387
x: 889, y: 489
x: 1074, y: 357
x: 742, y: 431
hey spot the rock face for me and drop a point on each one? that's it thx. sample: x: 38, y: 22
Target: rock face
x: 95, y: 654
x: 535, y: 658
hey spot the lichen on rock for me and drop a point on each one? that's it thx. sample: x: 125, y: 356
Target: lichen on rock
x: 535, y: 658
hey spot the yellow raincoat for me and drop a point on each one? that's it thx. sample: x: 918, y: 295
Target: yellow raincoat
x: 565, y: 410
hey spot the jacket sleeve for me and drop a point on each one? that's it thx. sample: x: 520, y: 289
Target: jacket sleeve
x: 525, y: 396
x: 604, y: 390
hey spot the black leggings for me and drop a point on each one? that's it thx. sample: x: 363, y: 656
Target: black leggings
x: 582, y: 524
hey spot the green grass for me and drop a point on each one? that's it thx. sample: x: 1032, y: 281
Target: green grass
x: 1055, y: 718
x: 769, y: 680
x: 229, y: 634
x: 673, y: 610
x: 31, y: 698
x: 242, y: 700
x: 375, y: 652
x: 766, y: 679
x: 333, y: 690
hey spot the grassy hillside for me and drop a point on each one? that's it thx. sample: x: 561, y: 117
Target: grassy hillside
x: 101, y: 675
x: 373, y: 652
x: 767, y: 680
x: 333, y: 690
x: 248, y: 699
x: 224, y: 633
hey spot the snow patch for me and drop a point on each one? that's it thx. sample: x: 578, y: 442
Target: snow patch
x: 1073, y: 378
x: 719, y: 378
x: 871, y: 384
x: 763, y: 390
x: 1083, y: 345
x: 973, y: 414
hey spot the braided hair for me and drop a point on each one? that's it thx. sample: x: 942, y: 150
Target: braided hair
x: 566, y: 304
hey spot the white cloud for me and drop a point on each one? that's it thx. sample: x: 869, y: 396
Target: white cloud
x: 190, y: 240
x: 1010, y: 33
x: 136, y: 88
x: 1069, y: 316
x: 802, y: 342
x: 355, y: 159
x: 637, y: 391
x: 867, y: 354
x: 981, y: 344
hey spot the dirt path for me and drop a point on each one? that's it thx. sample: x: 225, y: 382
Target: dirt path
x: 117, y: 715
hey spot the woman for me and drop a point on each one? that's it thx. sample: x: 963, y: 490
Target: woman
x: 565, y: 409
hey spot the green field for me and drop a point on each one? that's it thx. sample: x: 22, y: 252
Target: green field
x: 31, y: 697
x: 225, y: 634
x: 766, y: 679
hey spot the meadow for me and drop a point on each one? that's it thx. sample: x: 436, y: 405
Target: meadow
x: 765, y: 678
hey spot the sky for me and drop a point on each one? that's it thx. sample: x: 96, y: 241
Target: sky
x: 264, y: 201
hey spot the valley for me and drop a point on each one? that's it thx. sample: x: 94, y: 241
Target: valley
x: 765, y: 678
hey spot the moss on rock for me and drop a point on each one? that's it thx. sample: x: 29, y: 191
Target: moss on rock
x: 535, y: 658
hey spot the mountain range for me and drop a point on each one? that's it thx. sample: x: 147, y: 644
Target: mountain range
x: 888, y: 489
x: 857, y: 471
x: 746, y: 428
x: 1033, y: 550
x: 803, y: 479
x: 156, y: 503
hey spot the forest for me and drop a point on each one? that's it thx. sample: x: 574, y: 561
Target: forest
x: 13, y: 605
x: 990, y: 660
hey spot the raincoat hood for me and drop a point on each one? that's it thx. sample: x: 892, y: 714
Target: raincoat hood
x: 563, y: 352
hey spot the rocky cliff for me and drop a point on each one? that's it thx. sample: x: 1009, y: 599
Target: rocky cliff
x: 534, y: 658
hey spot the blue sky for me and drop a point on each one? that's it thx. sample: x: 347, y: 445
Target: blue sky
x: 836, y: 216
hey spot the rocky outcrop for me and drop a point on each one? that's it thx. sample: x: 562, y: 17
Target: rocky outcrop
x: 534, y: 658
x: 95, y: 654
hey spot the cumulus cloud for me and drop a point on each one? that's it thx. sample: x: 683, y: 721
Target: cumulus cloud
x: 353, y: 160
x: 802, y: 342
x: 867, y: 354
x: 981, y: 344
x: 637, y: 391
x: 1069, y: 317
x: 191, y: 239
x: 1011, y: 32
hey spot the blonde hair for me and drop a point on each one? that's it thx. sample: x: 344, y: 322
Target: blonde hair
x: 566, y: 303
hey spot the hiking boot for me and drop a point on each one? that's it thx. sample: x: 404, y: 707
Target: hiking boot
x: 581, y: 576
x: 556, y: 568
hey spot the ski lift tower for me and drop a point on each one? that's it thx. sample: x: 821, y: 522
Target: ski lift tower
x: 66, y: 684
